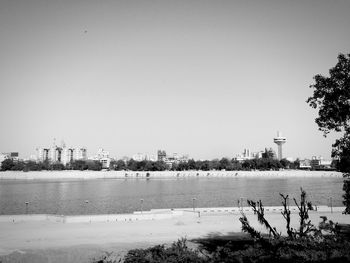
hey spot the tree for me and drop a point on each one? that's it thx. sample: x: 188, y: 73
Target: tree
x: 57, y: 166
x: 120, y: 165
x: 131, y: 165
x: 331, y: 96
x: 7, y: 164
x: 214, y: 164
x: 79, y: 165
x: 225, y: 164
x: 296, y: 164
x: 160, y: 166
x: 18, y: 166
x: 32, y: 166
x: 285, y: 163
x: 94, y: 165
x: 191, y: 164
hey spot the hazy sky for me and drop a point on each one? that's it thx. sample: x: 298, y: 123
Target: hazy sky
x: 206, y: 78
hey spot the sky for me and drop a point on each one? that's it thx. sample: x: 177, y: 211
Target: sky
x: 203, y: 78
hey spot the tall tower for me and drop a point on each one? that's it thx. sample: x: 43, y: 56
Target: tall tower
x: 279, y: 140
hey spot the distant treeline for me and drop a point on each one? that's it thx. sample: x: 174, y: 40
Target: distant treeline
x: 12, y: 165
x: 132, y: 165
x: 216, y: 164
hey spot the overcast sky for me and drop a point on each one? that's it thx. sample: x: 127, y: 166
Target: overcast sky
x: 205, y: 78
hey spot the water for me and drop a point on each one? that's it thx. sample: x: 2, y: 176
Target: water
x: 124, y: 195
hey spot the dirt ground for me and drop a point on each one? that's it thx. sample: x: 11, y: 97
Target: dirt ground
x: 44, y: 241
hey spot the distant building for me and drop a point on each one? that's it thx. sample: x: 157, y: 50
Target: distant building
x: 317, y: 162
x: 161, y: 155
x: 60, y: 154
x: 305, y: 164
x: 170, y: 160
x: 258, y: 154
x: 42, y: 154
x: 144, y: 157
x: 67, y: 155
x: 103, y: 157
x: 80, y: 154
x: 279, y: 140
x: 248, y: 155
x: 139, y: 157
x: 11, y: 155
x: 269, y: 153
x: 175, y: 158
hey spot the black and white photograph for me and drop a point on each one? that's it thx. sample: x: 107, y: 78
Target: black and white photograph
x: 151, y: 131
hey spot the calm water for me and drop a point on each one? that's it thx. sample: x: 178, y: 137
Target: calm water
x: 121, y: 196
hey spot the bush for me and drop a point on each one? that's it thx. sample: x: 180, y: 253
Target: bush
x: 305, y: 244
x: 177, y: 252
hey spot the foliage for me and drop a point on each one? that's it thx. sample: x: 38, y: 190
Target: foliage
x: 331, y: 96
x: 305, y: 244
x: 79, y: 165
x: 259, y: 211
x: 206, y: 165
x: 346, y: 195
x: 119, y: 165
x: 94, y: 165
x: 7, y: 165
x: 146, y: 165
x: 57, y: 166
x: 26, y: 166
x: 287, y: 251
x: 306, y: 228
x: 177, y: 252
x: 32, y: 166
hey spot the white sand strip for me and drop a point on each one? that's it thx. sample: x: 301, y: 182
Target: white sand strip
x: 48, y: 234
x: 154, y: 214
x: 86, y: 175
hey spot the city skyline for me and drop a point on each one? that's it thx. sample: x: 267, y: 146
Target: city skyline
x: 194, y: 77
x: 154, y: 152
x: 64, y: 151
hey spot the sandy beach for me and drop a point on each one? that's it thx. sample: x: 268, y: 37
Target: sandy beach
x: 48, y: 241
x: 85, y: 175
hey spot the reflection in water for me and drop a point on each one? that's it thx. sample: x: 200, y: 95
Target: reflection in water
x: 124, y: 195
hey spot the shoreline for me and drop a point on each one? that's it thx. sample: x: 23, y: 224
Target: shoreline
x: 87, y: 175
x: 153, y: 214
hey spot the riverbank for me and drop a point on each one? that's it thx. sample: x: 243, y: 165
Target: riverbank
x: 29, y: 241
x: 86, y: 175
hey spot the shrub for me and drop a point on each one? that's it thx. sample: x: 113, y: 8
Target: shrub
x: 177, y: 252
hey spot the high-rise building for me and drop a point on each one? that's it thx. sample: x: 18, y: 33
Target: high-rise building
x: 67, y: 155
x: 42, y: 154
x: 246, y: 154
x: 279, y: 140
x: 80, y: 154
x: 61, y: 154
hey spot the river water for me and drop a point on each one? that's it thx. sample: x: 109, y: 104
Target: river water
x: 104, y: 196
